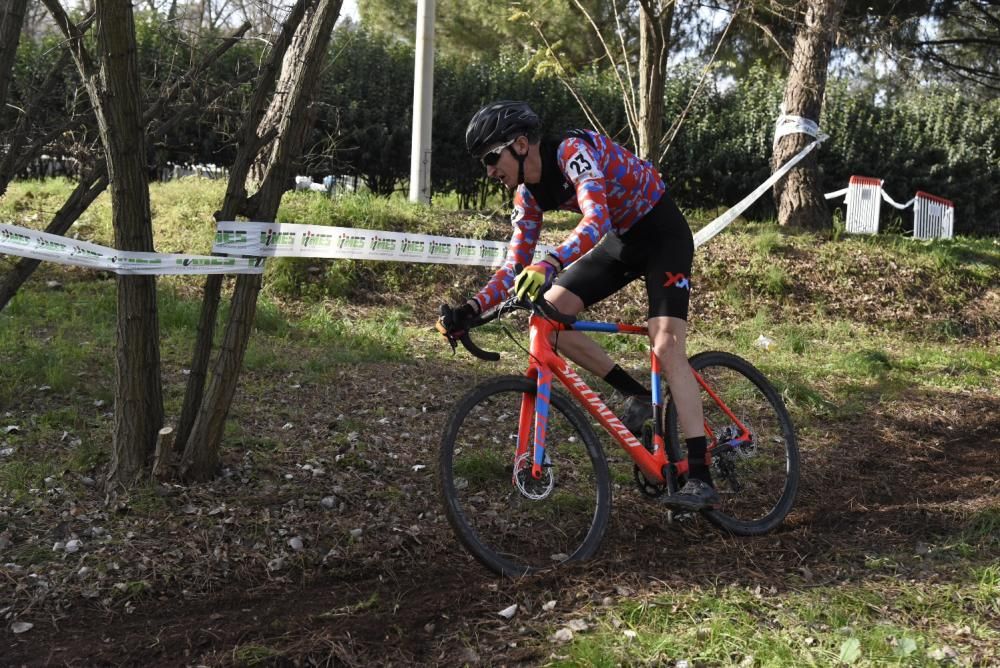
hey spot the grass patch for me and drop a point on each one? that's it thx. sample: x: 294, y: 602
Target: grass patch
x: 886, y: 624
x: 255, y: 655
x: 22, y: 474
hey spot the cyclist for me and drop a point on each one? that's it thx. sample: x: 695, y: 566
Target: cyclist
x: 616, y: 192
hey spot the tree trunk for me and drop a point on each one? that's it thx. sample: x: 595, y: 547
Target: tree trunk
x: 11, y: 19
x: 235, y: 202
x: 285, y: 121
x: 113, y: 88
x: 655, y: 21
x: 138, y: 389
x: 798, y: 197
x: 93, y: 184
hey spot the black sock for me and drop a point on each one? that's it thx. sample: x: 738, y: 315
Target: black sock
x: 697, y: 468
x: 620, y: 379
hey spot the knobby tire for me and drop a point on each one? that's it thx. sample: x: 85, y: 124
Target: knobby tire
x: 508, y: 532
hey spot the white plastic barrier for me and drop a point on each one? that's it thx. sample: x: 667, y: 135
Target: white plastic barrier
x: 933, y: 217
x: 864, y: 200
x: 865, y: 195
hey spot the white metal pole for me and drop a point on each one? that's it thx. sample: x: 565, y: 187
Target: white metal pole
x: 423, y: 93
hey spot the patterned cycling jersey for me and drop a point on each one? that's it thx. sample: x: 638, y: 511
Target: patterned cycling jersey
x: 584, y: 172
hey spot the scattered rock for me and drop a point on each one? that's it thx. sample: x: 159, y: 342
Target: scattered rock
x: 562, y: 636
x: 508, y: 612
x: 470, y: 657
x: 21, y: 627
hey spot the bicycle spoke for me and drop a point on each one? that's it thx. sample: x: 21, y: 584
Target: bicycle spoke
x: 507, y: 519
x: 754, y: 454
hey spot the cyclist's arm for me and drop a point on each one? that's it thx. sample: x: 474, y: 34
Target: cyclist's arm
x: 527, y: 221
x: 578, y: 162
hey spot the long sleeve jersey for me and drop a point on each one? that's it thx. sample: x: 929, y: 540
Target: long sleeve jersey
x: 587, y: 173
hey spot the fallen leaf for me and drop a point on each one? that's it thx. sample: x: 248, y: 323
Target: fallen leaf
x: 850, y: 651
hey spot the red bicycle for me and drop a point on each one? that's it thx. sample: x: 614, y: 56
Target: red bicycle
x: 525, y: 482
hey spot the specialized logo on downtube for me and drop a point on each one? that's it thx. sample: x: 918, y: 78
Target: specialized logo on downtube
x: 594, y: 400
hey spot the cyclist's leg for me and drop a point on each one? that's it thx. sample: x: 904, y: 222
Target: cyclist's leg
x: 587, y: 281
x: 577, y: 345
x: 670, y: 252
x: 668, y: 337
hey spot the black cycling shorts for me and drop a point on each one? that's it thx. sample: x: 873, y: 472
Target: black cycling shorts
x: 658, y: 247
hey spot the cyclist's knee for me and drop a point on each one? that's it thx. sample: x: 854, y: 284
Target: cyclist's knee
x: 564, y: 300
x: 669, y: 342
x: 670, y: 350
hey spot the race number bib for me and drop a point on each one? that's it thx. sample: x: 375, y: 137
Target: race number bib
x: 582, y: 167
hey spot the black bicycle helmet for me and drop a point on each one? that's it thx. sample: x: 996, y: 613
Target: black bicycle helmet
x: 499, y: 122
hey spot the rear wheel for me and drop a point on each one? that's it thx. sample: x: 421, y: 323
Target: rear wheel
x: 758, y: 479
x: 509, y: 521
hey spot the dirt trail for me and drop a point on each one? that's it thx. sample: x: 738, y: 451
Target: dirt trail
x: 901, y: 478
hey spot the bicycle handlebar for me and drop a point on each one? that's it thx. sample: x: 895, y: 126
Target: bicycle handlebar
x: 464, y: 338
x: 541, y: 307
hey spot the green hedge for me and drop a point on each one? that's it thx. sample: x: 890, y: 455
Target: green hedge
x: 933, y: 139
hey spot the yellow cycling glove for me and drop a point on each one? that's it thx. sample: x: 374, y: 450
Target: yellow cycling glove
x: 534, y: 280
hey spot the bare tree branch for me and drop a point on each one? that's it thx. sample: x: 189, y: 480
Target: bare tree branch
x: 631, y: 112
x: 679, y: 121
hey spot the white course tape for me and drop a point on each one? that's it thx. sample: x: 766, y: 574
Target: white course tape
x: 790, y: 125
x: 898, y: 206
x: 836, y: 193
x: 262, y: 240
x: 291, y: 240
x: 53, y: 248
x: 723, y: 221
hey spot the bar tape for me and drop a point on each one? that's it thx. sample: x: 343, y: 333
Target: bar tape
x: 62, y: 250
x: 351, y: 243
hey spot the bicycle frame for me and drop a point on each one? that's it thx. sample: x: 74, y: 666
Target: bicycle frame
x: 545, y: 364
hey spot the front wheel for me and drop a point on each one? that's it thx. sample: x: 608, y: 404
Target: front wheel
x: 757, y: 479
x: 510, y: 522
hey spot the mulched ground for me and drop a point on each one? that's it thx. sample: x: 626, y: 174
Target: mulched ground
x: 218, y: 581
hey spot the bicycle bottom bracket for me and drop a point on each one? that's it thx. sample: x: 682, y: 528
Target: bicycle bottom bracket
x: 536, y: 490
x: 647, y: 488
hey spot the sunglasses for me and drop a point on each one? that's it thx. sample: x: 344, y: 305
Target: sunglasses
x: 492, y: 157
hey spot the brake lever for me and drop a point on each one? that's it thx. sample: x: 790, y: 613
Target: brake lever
x: 452, y: 341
